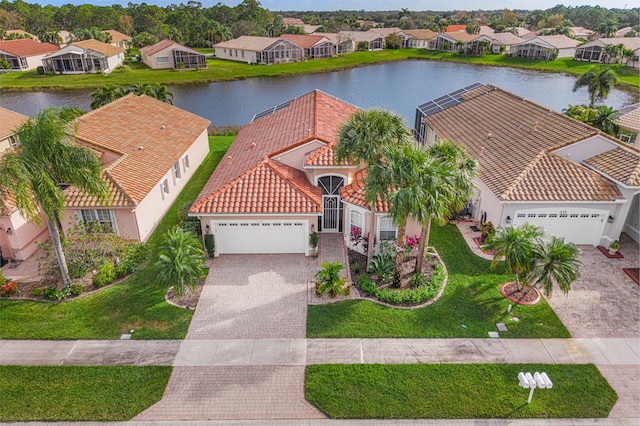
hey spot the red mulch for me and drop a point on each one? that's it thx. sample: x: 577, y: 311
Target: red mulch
x: 634, y: 273
x: 479, y: 245
x: 605, y: 251
x: 521, y: 297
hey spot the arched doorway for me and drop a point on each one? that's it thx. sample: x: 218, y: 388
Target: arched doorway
x: 331, y: 203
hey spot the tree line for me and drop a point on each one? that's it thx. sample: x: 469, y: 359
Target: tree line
x: 192, y: 24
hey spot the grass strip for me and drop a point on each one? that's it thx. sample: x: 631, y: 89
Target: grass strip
x: 455, y: 391
x: 70, y: 393
x: 137, y: 303
x: 470, y: 305
x: 224, y: 70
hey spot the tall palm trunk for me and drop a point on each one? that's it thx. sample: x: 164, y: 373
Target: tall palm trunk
x: 517, y: 282
x: 402, y: 231
x: 424, y: 240
x: 372, y: 236
x: 57, y: 248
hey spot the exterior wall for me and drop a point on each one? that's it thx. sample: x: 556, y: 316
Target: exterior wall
x: 485, y: 201
x: 34, y: 61
x: 240, y: 55
x: 151, y: 60
x: 21, y: 242
x: 632, y: 227
x: 125, y: 221
x: 114, y: 61
x: 314, y: 174
x: 566, y: 53
x: 5, y: 144
x: 152, y: 208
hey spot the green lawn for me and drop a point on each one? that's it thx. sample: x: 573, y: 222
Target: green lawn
x: 471, y: 298
x: 79, y: 393
x: 221, y: 70
x: 455, y: 391
x: 136, y: 304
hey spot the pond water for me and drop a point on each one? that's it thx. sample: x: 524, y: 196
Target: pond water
x: 397, y: 86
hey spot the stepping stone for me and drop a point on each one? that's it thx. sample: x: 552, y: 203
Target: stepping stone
x: 126, y: 336
x: 502, y: 327
x: 494, y: 335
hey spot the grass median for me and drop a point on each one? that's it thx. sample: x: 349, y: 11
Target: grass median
x: 66, y: 393
x: 470, y: 305
x: 455, y: 391
x: 137, y: 303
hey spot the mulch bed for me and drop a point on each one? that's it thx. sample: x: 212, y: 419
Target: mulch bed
x: 521, y: 297
x: 634, y: 273
x: 605, y: 251
x: 479, y: 242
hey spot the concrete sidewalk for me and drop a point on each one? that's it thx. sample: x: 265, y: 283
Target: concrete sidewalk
x: 300, y: 352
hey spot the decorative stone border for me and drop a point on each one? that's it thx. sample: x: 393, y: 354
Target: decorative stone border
x: 519, y: 302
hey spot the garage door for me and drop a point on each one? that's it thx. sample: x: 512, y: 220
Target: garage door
x: 578, y: 226
x: 257, y: 237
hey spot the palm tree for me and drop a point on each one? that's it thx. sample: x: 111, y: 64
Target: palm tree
x: 45, y: 161
x: 554, y: 262
x: 605, y: 119
x: 514, y: 245
x: 161, y: 93
x: 180, y: 261
x: 599, y: 81
x: 106, y: 94
x: 363, y: 138
x: 449, y: 194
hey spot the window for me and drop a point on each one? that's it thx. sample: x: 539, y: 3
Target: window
x: 185, y: 162
x: 13, y: 141
x: 356, y: 224
x: 162, y: 60
x: 387, y: 229
x: 176, y: 172
x: 98, y: 220
x: 164, y: 188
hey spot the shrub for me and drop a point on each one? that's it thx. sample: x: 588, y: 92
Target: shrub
x: 75, y: 290
x: 313, y: 239
x: 415, y: 295
x: 183, y: 211
x: 382, y: 267
x: 418, y: 279
x: 9, y: 289
x: 106, y: 275
x: 37, y: 292
x: 355, y: 267
x: 210, y: 245
x: 366, y: 284
x: 132, y: 256
x: 3, y: 279
x: 40, y: 70
x: 328, y: 279
x: 78, y: 268
x: 52, y: 293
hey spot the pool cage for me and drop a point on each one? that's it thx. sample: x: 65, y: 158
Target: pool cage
x: 188, y: 59
x: 280, y: 52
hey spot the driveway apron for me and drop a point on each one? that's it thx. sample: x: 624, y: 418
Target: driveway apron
x: 244, y: 297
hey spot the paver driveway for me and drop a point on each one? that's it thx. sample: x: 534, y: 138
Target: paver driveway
x: 244, y: 297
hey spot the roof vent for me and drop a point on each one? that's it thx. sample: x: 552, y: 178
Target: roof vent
x: 163, y: 127
x: 229, y: 160
x: 304, y: 123
x: 535, y: 126
x: 482, y: 150
x: 141, y: 148
x: 308, y: 133
x: 253, y: 145
x: 489, y: 136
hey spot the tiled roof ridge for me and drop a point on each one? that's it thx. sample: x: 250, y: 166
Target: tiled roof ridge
x: 107, y: 173
x: 295, y: 145
x: 99, y: 145
x: 522, y: 175
x: 315, y: 153
x: 274, y: 165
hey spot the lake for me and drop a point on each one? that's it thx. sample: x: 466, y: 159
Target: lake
x: 396, y: 86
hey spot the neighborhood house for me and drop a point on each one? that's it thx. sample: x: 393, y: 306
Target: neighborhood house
x: 85, y: 56
x: 169, y: 54
x: 25, y: 54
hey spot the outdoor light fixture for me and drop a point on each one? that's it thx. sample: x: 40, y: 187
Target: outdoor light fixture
x: 508, y: 220
x: 610, y: 220
x: 313, y: 228
x: 9, y: 231
x: 207, y: 228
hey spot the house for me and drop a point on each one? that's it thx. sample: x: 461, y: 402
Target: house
x: 622, y: 32
x: 539, y: 166
x: 118, y: 39
x: 17, y: 236
x: 462, y: 42
x: 295, y: 22
x: 149, y: 150
x: 364, y: 40
x: 169, y: 54
x: 424, y: 39
x: 86, y: 56
x: 581, y: 32
x: 66, y: 38
x: 628, y: 122
x: 259, y: 50
x: 279, y: 181
x: 502, y: 42
x: 343, y: 42
x: 25, y: 54
x: 314, y: 46
x: 546, y: 47
x: 595, y: 51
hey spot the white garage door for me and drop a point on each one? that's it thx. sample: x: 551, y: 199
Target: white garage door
x: 578, y: 226
x: 258, y: 237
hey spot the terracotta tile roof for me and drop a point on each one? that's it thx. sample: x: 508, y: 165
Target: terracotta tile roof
x: 314, y: 116
x: 148, y: 135
x: 268, y: 187
x: 511, y: 138
x: 354, y: 193
x: 620, y: 163
x: 9, y: 122
x: 323, y: 157
x: 304, y: 41
x: 155, y: 48
x: 456, y: 28
x: 117, y: 36
x: 630, y: 120
x: 98, y: 46
x: 421, y: 34
x: 26, y: 47
x: 118, y: 198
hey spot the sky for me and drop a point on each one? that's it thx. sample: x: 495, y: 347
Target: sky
x: 374, y: 5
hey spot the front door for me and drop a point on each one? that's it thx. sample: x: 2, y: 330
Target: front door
x: 331, y: 203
